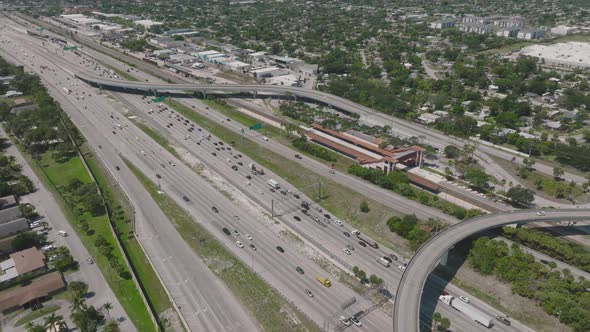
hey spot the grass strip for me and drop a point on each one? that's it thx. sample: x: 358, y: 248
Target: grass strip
x: 56, y: 176
x: 270, y: 309
x: 121, y: 211
x: 157, y: 137
x: 341, y: 201
x: 46, y: 310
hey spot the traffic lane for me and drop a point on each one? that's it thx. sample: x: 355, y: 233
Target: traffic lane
x: 51, y: 211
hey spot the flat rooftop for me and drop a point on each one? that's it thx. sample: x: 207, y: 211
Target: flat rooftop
x: 575, y: 54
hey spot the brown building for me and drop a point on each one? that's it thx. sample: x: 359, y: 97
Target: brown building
x: 41, y: 289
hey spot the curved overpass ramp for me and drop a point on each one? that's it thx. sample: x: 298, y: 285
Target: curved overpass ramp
x: 406, y: 312
x: 314, y: 95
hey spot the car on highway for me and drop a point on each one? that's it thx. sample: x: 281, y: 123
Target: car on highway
x: 355, y: 321
x: 347, y: 251
x: 117, y: 168
x: 62, y: 233
x: 388, y: 259
x: 444, y: 292
x: 346, y: 234
x: 349, y: 247
x: 338, y: 222
x: 464, y: 299
x: 249, y: 237
x: 239, y: 244
x: 280, y: 249
x: 226, y: 231
x: 297, y: 218
x: 327, y: 216
x: 234, y: 167
x: 185, y: 198
x: 298, y: 156
x: 541, y: 213
x: 300, y: 270
x: 362, y: 244
x: 89, y: 260
x: 402, y: 267
x: 296, y: 196
x: 215, y: 209
x: 345, y: 321
x: 308, y: 292
x: 236, y: 232
x: 252, y: 246
x: 503, y: 319
x: 214, y: 154
x: 544, y: 261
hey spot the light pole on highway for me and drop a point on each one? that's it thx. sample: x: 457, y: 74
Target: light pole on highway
x: 158, y: 177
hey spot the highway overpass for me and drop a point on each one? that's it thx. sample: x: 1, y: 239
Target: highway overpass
x: 251, y: 89
x: 406, y: 312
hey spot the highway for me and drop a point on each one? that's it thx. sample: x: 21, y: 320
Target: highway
x: 237, y: 179
x: 179, y: 180
x: 409, y: 291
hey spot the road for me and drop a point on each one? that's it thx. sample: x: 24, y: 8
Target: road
x: 224, y: 166
x: 180, y: 180
x: 410, y: 288
x: 51, y: 212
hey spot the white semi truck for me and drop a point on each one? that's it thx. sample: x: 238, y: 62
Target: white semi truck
x: 467, y: 309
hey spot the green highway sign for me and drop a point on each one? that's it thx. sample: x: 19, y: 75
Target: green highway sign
x: 158, y: 99
x: 69, y: 48
x: 256, y: 126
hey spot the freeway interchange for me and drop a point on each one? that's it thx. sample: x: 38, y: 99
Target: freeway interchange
x: 242, y: 203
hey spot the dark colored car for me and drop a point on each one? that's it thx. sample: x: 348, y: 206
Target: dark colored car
x: 362, y: 244
x: 327, y: 216
x: 215, y: 209
x: 296, y: 196
x: 280, y: 249
x: 298, y: 156
x: 346, y: 234
x: 297, y: 218
x: 300, y: 270
x: 503, y: 320
x: 185, y: 198
x: 248, y: 177
x: 226, y: 231
x: 117, y: 168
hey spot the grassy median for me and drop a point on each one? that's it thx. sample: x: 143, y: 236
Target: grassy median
x: 271, y: 310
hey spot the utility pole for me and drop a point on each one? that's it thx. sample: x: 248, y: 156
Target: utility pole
x: 272, y: 208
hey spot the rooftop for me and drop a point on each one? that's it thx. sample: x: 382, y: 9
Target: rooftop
x: 28, y: 260
x: 41, y: 287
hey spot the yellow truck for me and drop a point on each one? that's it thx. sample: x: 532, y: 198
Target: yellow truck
x: 325, y: 281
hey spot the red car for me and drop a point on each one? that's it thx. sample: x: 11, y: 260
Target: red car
x: 444, y: 293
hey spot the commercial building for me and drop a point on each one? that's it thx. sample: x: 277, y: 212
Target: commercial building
x: 471, y: 19
x: 147, y: 23
x: 507, y: 32
x: 37, y: 291
x: 11, y: 221
x: 443, y: 24
x: 509, y: 22
x: 367, y: 153
x: 20, y: 263
x: 530, y: 34
x: 181, y: 32
x: 238, y: 66
x: 268, y: 72
x: 563, y: 30
x: 571, y: 54
x: 476, y: 28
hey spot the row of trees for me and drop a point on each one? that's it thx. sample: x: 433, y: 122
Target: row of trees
x: 362, y: 275
x: 557, y: 292
x: 399, y: 183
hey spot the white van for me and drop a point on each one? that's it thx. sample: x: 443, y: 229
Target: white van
x: 62, y: 233
x: 48, y: 248
x: 383, y: 261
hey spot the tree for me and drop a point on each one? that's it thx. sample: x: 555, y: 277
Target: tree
x: 28, y: 211
x: 78, y: 289
x: 528, y: 163
x: 558, y: 172
x: 355, y: 270
x: 448, y: 173
x: 521, y: 195
x: 364, y: 206
x: 477, y: 177
x: 32, y: 327
x: 452, y: 151
x: 362, y: 275
x: 445, y: 323
x: 108, y: 306
x: 111, y: 326
x: 375, y: 280
x: 27, y: 240
x: 52, y: 323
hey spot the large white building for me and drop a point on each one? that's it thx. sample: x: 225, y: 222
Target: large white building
x: 571, y: 54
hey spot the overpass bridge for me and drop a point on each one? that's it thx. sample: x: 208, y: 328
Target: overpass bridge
x: 406, y: 312
x: 328, y: 99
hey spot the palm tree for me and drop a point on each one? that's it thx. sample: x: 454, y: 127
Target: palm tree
x: 108, y: 306
x: 52, y: 322
x: 78, y: 304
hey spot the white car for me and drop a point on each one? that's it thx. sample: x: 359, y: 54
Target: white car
x: 346, y: 251
x: 48, y: 248
x: 239, y: 244
x: 338, y: 222
x: 249, y: 237
x: 541, y: 213
x: 464, y: 299
x: 402, y: 267
x: 345, y: 321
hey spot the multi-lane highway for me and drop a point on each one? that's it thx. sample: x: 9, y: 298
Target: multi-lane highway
x: 245, y: 198
x: 409, y: 291
x: 178, y: 180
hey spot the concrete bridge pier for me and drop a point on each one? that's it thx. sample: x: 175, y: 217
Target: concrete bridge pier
x: 444, y: 259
